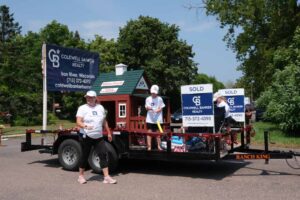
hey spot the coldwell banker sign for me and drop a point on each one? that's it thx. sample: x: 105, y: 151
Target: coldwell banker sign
x: 235, y: 100
x: 70, y: 69
x: 197, y: 105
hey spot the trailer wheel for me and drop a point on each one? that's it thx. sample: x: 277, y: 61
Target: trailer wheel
x: 69, y: 153
x: 94, y: 160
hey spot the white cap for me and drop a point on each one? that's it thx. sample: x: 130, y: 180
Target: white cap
x: 154, y: 89
x: 90, y: 93
x: 216, y: 96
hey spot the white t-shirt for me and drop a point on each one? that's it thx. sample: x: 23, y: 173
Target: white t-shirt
x: 227, y: 109
x: 92, y: 116
x: 154, y: 103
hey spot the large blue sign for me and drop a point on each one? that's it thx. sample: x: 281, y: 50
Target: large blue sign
x: 70, y: 69
x: 197, y: 105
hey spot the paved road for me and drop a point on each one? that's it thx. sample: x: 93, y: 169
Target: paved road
x: 31, y: 176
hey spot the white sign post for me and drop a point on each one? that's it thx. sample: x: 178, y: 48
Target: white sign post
x: 44, y: 71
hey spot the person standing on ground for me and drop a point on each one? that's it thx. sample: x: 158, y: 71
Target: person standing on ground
x: 154, y: 106
x: 90, y: 118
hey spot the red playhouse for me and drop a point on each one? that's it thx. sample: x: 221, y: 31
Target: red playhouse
x: 122, y: 93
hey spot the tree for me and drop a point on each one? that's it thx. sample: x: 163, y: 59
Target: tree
x: 107, y: 49
x: 9, y: 28
x: 204, y: 79
x: 154, y: 46
x: 282, y: 99
x: 256, y: 28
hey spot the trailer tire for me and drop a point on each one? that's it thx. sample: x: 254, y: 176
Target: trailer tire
x: 69, y: 153
x: 113, y: 159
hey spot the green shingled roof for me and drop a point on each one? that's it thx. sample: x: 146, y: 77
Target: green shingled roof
x: 130, y: 78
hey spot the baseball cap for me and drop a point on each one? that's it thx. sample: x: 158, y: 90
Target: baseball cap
x: 90, y: 93
x: 216, y: 96
x: 154, y: 89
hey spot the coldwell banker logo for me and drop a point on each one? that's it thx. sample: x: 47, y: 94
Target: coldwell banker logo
x: 197, y: 100
x: 54, y: 58
x: 230, y: 101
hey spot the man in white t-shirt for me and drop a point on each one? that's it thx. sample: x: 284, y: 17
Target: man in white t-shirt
x: 154, y: 105
x: 90, y: 118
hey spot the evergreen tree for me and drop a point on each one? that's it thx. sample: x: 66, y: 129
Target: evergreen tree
x: 9, y: 28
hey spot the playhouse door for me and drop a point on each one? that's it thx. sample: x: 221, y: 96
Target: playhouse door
x: 110, y: 107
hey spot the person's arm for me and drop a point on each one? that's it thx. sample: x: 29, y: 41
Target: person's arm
x: 148, y: 105
x: 161, y: 106
x: 80, y: 124
x: 109, y: 136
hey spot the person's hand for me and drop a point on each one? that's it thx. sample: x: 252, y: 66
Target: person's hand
x: 157, y: 111
x: 109, y: 136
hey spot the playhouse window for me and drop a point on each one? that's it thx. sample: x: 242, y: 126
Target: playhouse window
x: 122, y: 110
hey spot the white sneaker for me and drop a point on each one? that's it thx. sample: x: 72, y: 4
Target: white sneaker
x: 81, y: 180
x: 109, y: 180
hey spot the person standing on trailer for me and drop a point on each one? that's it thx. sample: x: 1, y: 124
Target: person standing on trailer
x: 221, y: 102
x: 90, y: 118
x: 154, y: 106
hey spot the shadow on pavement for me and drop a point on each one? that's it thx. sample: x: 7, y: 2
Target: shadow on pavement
x: 200, y: 169
x: 264, y: 172
x: 48, y: 163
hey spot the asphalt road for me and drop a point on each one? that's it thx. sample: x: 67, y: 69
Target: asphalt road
x: 31, y: 176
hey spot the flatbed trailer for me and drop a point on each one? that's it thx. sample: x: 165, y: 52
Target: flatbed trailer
x: 67, y: 146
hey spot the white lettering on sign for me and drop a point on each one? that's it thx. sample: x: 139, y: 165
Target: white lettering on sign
x: 108, y: 90
x: 197, y: 100
x: 230, y: 101
x: 54, y: 58
x: 112, y: 83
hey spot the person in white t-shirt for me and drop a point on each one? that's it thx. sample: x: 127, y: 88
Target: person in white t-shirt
x: 154, y: 106
x: 90, y: 118
x: 221, y: 102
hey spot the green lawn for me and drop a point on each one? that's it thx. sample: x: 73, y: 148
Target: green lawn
x: 22, y: 129
x: 277, y: 137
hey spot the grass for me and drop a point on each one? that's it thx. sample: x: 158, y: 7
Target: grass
x: 16, y: 130
x: 276, y: 137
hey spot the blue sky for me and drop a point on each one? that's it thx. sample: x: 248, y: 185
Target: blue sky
x: 105, y: 17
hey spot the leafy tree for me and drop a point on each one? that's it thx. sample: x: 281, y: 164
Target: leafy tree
x: 203, y: 79
x: 282, y: 99
x: 109, y: 54
x: 155, y: 47
x: 256, y: 28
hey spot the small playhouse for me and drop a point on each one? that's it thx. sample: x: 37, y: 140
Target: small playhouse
x: 123, y: 93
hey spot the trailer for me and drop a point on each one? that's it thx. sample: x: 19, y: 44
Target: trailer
x: 130, y: 145
x: 123, y: 94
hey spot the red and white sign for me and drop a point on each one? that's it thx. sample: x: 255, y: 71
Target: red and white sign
x: 112, y: 83
x: 108, y: 90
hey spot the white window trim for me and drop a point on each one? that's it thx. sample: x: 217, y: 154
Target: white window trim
x: 122, y: 104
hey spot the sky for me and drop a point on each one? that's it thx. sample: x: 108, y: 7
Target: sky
x: 105, y: 17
